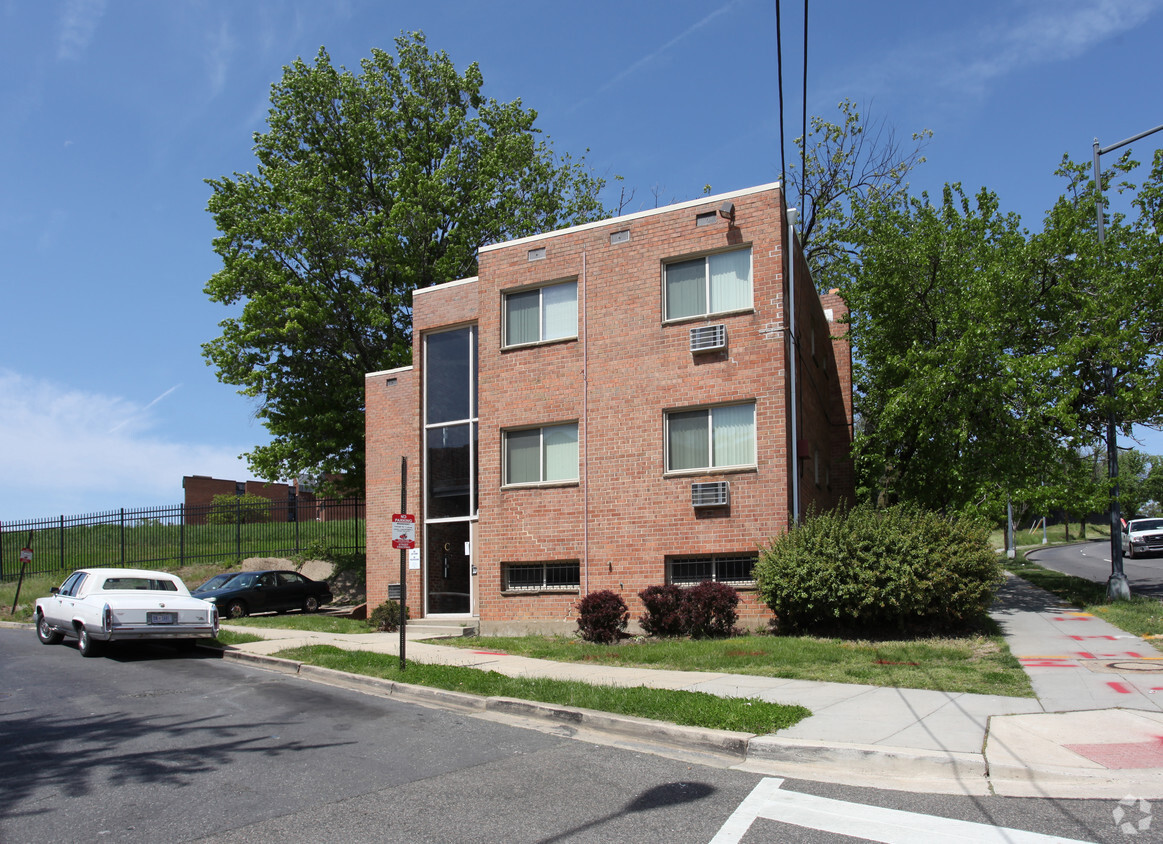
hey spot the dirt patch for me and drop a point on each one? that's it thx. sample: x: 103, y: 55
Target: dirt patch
x: 265, y: 563
x: 317, y: 569
x: 346, y: 589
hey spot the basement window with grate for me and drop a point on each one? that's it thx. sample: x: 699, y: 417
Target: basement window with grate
x: 542, y: 577
x: 732, y: 569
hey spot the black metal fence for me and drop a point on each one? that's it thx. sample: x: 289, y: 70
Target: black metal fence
x: 163, y: 537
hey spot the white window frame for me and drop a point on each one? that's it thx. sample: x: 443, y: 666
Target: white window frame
x: 712, y: 467
x: 708, y: 310
x: 541, y: 481
x: 541, y: 327
x: 718, y: 563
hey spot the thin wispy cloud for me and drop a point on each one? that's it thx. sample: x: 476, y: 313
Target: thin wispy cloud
x: 79, y: 21
x: 221, y: 46
x: 658, y: 53
x: 1049, y: 33
x: 60, y: 454
x: 968, y: 63
x: 141, y: 415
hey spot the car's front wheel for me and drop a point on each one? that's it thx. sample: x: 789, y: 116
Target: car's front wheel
x: 1130, y: 555
x: 45, y: 633
x: 311, y: 604
x: 235, y: 609
x: 86, y: 644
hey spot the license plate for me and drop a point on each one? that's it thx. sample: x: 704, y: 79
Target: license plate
x: 162, y: 618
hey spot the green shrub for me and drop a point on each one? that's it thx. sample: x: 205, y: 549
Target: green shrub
x: 316, y: 549
x: 245, y: 509
x: 901, y: 568
x: 386, y: 617
x: 602, y: 616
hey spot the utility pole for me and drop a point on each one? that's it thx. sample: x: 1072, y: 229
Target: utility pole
x: 1117, y: 587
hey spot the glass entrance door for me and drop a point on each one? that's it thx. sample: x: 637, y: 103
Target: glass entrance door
x: 449, y: 571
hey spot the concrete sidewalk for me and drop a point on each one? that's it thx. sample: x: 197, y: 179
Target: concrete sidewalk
x: 1095, y: 729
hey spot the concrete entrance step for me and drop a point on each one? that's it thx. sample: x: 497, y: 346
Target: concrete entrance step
x: 440, y: 628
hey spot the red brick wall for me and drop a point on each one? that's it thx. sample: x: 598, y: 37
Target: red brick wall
x: 625, y: 515
x: 199, y: 495
x: 392, y: 401
x: 638, y: 368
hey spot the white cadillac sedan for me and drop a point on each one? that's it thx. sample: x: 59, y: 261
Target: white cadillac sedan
x: 95, y: 606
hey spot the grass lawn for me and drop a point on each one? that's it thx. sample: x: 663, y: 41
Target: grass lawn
x: 1055, y: 535
x: 229, y: 637
x: 981, y: 664
x: 320, y: 622
x: 1142, y: 616
x: 695, y: 709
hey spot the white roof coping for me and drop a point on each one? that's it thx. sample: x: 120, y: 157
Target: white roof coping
x: 390, y: 371
x: 702, y: 200
x: 445, y: 285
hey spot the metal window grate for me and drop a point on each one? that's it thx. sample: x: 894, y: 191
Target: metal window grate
x: 737, y: 569
x: 708, y: 338
x: 712, y: 494
x: 538, y: 577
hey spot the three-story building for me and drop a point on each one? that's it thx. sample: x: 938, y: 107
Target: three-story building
x: 610, y: 406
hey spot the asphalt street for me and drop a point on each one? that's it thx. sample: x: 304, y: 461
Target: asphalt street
x: 148, y: 745
x: 1092, y: 560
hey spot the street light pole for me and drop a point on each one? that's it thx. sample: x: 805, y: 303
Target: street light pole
x: 1117, y: 587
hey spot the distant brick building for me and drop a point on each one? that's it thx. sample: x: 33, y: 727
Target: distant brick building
x: 610, y: 407
x: 291, y: 502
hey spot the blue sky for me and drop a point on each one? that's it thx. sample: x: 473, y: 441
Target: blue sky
x: 115, y: 111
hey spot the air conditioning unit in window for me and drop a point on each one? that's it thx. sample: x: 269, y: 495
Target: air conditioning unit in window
x: 708, y: 338
x: 711, y: 494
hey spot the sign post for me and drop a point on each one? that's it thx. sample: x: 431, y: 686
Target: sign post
x: 25, y: 562
x: 404, y: 538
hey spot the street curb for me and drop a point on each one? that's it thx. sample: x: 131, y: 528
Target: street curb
x: 390, y: 688
x: 721, y: 742
x: 645, y: 729
x: 871, y: 760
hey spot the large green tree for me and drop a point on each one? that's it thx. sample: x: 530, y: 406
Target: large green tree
x: 985, y: 354
x: 939, y: 318
x: 366, y: 187
x: 844, y: 163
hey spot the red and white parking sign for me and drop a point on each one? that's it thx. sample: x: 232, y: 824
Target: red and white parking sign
x: 403, y: 531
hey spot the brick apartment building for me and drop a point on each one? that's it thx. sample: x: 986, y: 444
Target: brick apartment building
x: 609, y: 407
x: 289, y: 502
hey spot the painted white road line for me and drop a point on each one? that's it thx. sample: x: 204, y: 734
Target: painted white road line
x: 870, y: 823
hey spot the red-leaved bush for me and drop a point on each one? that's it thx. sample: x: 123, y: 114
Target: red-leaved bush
x: 602, y: 616
x: 664, y: 610
x: 708, y: 609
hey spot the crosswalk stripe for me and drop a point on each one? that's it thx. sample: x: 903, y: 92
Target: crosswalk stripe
x: 870, y: 823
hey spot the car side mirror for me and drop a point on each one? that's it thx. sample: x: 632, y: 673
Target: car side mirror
x: 55, y: 590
